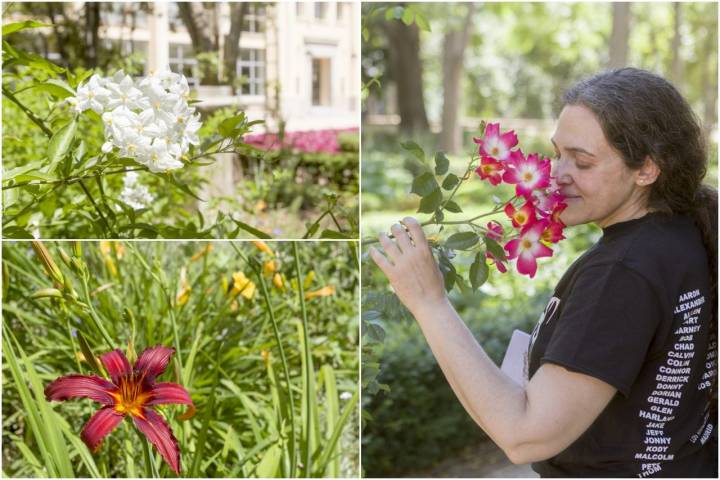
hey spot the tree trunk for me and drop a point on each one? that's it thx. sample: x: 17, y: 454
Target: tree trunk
x: 676, y: 68
x: 404, y: 52
x: 452, y: 64
x: 620, y: 34
x: 709, y: 88
x: 90, y: 35
x: 232, y: 40
x: 59, y: 37
x: 199, y: 26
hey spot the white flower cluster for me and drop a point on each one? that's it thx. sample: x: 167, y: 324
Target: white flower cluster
x: 134, y: 194
x: 149, y: 121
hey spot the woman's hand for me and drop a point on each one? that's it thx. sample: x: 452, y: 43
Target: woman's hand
x: 409, y: 265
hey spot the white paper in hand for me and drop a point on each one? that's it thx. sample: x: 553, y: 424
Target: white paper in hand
x: 514, y: 365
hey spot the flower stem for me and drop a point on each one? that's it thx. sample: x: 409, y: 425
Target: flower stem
x: 37, y: 121
x: 286, y: 370
x: 108, y: 228
x: 71, y: 180
x: 308, y: 364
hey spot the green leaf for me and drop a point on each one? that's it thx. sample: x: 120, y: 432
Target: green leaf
x: 252, y: 230
x: 60, y: 142
x: 17, y: 232
x: 421, y: 21
x: 55, y: 87
x: 90, y: 358
x: 227, y: 126
x: 389, y: 14
x: 408, y: 16
x: 424, y: 184
x: 478, y: 271
x: 453, y: 207
x: 415, y: 149
x: 450, y: 181
x: 14, y: 27
x: 375, y: 331
x: 335, y: 235
x: 495, y: 249
x: 431, y: 202
x: 462, y: 240
x: 441, y: 164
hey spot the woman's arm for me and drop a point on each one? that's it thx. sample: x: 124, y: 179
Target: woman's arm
x: 530, y: 424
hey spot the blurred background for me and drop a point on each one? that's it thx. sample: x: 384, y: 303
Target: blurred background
x: 292, y: 65
x: 431, y: 72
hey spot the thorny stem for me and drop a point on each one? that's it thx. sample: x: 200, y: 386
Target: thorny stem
x: 28, y: 112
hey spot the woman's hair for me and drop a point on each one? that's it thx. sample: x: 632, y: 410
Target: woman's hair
x: 643, y: 115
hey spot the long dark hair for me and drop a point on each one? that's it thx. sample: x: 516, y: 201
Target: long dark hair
x: 642, y: 115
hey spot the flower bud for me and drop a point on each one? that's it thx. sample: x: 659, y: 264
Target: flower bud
x: 47, y: 262
x: 47, y: 293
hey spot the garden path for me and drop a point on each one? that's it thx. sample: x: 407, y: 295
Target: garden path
x: 482, y: 460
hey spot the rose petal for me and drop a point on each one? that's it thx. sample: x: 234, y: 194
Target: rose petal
x: 526, y: 264
x: 116, y: 364
x: 100, y: 424
x: 168, y: 392
x: 81, y: 386
x: 153, y: 361
x: 158, y: 432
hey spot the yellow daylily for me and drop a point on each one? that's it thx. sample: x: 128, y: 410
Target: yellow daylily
x: 269, y: 268
x: 323, y: 292
x: 208, y: 248
x: 183, y: 294
x: 308, y: 279
x: 263, y: 247
x: 242, y: 285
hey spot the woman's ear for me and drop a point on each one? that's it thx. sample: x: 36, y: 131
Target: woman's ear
x: 648, y: 173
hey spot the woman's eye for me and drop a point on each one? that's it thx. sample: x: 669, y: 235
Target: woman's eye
x: 582, y: 166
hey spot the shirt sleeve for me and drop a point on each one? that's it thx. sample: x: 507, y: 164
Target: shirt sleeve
x: 606, y: 326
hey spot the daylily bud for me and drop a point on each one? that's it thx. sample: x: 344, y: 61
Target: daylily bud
x: 308, y: 279
x: 47, y: 293
x: 50, y: 266
x: 323, y: 292
x: 65, y: 258
x: 278, y: 281
x: 77, y: 249
x: 269, y: 268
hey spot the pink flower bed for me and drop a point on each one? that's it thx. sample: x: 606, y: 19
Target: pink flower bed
x: 310, y: 141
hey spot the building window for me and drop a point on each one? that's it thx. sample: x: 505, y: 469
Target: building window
x: 251, y: 71
x: 254, y: 18
x: 320, y: 82
x: 182, y: 61
x: 321, y: 10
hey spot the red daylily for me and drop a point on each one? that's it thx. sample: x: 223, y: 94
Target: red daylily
x: 527, y: 248
x: 527, y: 173
x: 496, y: 145
x: 490, y: 169
x: 131, y: 392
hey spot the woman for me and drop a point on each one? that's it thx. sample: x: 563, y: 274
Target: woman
x: 622, y: 364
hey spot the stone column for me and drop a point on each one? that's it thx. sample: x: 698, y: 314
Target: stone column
x: 159, y: 44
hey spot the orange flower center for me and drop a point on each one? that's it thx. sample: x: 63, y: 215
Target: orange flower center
x: 526, y: 244
x: 520, y: 218
x: 527, y: 176
x: 131, y: 397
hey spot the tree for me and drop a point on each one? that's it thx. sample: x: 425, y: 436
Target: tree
x: 407, y: 72
x: 454, y: 45
x: 620, y: 35
x: 200, y: 25
x: 232, y: 39
x: 90, y: 35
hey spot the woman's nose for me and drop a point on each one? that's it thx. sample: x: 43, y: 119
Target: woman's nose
x: 560, y: 172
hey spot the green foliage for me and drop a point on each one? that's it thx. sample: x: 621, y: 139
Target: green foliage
x: 246, y: 362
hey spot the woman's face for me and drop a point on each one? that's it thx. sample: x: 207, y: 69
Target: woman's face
x: 591, y: 174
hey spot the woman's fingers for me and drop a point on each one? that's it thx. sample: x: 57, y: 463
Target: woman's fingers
x: 380, y: 260
x: 415, y: 230
x: 402, y: 238
x: 391, y: 250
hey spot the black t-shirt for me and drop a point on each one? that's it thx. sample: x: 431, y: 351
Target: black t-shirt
x: 635, y: 312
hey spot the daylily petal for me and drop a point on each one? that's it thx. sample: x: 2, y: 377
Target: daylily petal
x: 158, y: 432
x: 168, y: 392
x: 153, y: 361
x: 116, y: 364
x: 100, y: 424
x: 81, y: 386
